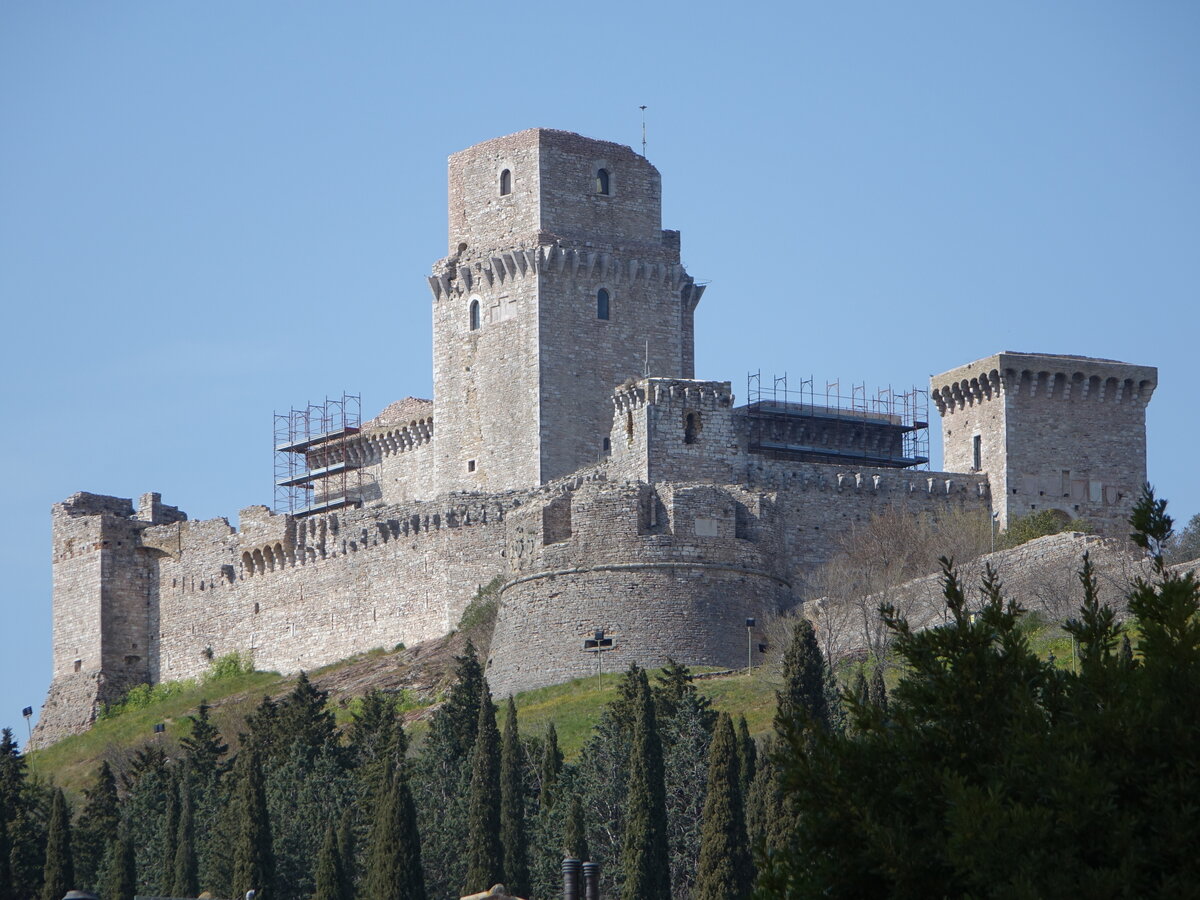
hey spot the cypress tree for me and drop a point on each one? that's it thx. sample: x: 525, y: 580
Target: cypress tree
x: 394, y: 847
x: 58, y: 875
x: 96, y: 826
x: 747, y: 758
x: 1125, y: 656
x: 303, y: 717
x: 253, y: 860
x: 552, y: 761
x: 485, y: 852
x: 512, y: 807
x: 802, y: 699
x: 346, y: 850
x: 331, y: 877
x: 724, y: 871
x: 118, y: 876
x: 645, y: 859
x: 575, y: 842
x: 879, y: 697
x: 185, y: 880
x: 169, y: 834
x: 6, y: 885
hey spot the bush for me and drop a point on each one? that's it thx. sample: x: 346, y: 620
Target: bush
x: 481, y: 611
x: 141, y: 696
x: 231, y: 665
x: 1023, y: 529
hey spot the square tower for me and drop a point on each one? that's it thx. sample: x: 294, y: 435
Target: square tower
x: 560, y: 285
x: 1065, y: 433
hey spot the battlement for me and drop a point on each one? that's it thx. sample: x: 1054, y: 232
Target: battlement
x: 1048, y: 376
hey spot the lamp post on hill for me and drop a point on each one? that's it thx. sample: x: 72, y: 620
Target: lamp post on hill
x: 749, y: 644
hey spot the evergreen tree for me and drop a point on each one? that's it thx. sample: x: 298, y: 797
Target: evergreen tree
x: 747, y: 757
x: 347, y: 852
x: 456, y: 724
x: 24, y: 807
x: 394, y: 847
x: 203, y: 748
x: 253, y: 859
x: 6, y: 885
x: 485, y: 853
x: 169, y: 833
x: 1126, y: 656
x: 575, y: 842
x: 803, y: 696
x: 724, y: 871
x: 552, y: 762
x: 304, y: 718
x: 331, y: 876
x: 118, y: 876
x: 58, y: 876
x: 512, y: 807
x: 645, y: 857
x: 96, y: 827
x: 185, y: 881
x: 878, y: 691
x: 674, y: 684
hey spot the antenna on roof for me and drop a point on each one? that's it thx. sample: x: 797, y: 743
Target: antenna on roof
x: 643, y: 109
x: 646, y: 364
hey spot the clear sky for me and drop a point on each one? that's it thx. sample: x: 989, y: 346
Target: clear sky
x: 212, y: 211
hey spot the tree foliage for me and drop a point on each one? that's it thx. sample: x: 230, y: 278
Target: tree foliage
x: 993, y: 774
x: 485, y: 852
x: 645, y: 858
x: 724, y: 866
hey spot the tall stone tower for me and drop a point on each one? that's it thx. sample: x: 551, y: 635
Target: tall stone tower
x: 1064, y: 433
x: 560, y: 285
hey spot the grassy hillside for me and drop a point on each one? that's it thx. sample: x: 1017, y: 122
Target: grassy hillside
x: 419, y: 676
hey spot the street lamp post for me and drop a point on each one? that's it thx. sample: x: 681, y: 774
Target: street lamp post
x: 749, y: 644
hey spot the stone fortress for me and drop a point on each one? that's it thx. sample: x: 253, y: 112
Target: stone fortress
x: 570, y: 453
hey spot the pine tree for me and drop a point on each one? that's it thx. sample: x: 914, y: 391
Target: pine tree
x: 485, y: 853
x: 724, y: 871
x: 803, y: 696
x: 253, y: 861
x: 118, y: 875
x: 552, y: 761
x: 303, y: 717
x: 331, y: 877
x: 575, y: 842
x: 512, y: 807
x: 203, y: 748
x: 169, y: 834
x: 747, y: 757
x: 645, y: 858
x: 185, y: 882
x: 1126, y: 654
x: 96, y: 826
x: 58, y: 876
x: 394, y: 847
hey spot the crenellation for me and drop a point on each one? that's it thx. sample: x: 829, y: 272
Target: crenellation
x: 576, y: 458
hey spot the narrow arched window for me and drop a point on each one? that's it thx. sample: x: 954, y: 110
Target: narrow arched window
x: 691, y: 427
x: 505, y: 182
x: 602, y: 181
x: 474, y: 315
x: 602, y: 304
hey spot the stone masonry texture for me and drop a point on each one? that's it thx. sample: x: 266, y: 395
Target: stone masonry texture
x: 569, y: 451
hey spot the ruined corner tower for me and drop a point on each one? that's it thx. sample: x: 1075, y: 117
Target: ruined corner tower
x: 560, y: 284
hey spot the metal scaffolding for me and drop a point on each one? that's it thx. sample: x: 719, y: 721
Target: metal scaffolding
x: 904, y: 411
x: 316, y: 469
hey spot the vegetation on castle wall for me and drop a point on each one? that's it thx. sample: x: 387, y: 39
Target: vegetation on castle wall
x: 1023, y: 529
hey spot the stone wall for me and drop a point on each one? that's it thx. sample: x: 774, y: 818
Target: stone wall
x: 1066, y: 433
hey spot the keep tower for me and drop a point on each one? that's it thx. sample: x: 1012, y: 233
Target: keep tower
x: 560, y: 284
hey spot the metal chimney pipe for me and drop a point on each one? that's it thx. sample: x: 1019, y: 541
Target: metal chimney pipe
x: 591, y: 881
x: 570, y: 870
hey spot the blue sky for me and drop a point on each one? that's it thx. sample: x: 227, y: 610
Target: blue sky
x: 212, y: 211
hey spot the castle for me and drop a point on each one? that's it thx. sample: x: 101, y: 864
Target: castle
x: 569, y: 454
